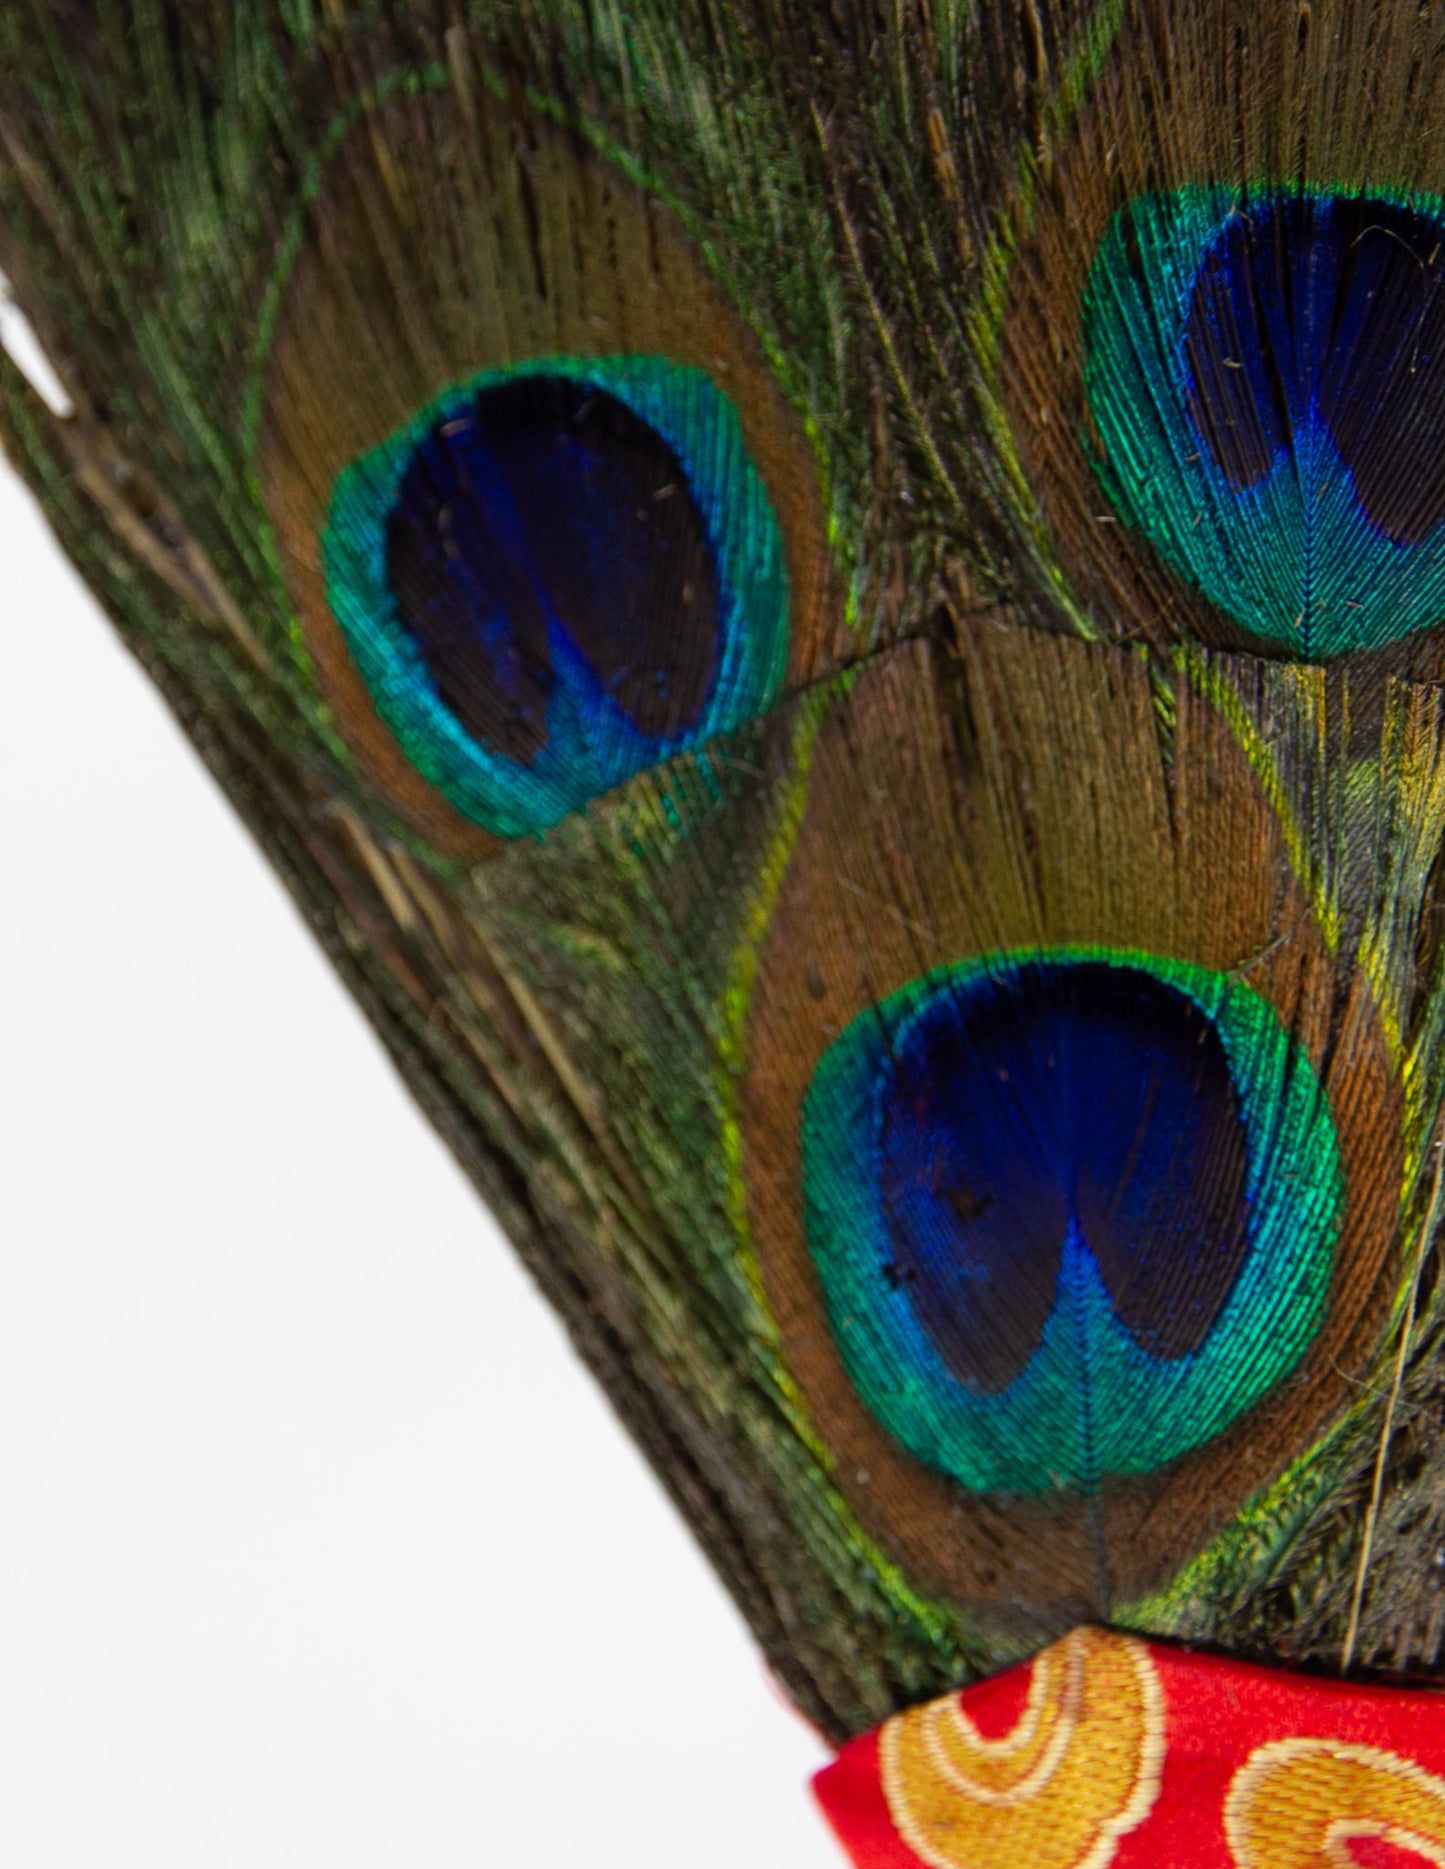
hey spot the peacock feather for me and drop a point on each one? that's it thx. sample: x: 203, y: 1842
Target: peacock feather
x: 836, y: 621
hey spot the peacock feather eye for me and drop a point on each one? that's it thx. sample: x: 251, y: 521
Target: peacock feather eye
x: 1214, y: 346
x: 1072, y: 1153
x: 1266, y: 377
x: 544, y: 513
x: 556, y: 577
x: 1073, y: 1212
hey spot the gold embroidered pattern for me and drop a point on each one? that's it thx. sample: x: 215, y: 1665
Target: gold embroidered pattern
x: 1079, y: 1770
x: 1298, y: 1803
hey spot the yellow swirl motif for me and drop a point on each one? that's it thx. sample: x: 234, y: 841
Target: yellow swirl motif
x: 1298, y: 1803
x: 1079, y: 1770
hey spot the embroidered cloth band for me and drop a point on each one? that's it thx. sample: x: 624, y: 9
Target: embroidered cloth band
x: 1108, y: 1750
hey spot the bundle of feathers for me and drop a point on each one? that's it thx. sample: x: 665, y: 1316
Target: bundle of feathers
x: 836, y: 617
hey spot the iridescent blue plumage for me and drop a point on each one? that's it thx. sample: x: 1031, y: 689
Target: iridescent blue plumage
x: 1266, y: 374
x: 1073, y: 1211
x: 554, y: 578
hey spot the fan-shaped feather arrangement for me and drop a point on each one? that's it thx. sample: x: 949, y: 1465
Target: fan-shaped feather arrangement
x: 837, y: 620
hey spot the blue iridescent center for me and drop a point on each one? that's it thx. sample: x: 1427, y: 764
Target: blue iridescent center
x: 1267, y: 376
x: 548, y: 523
x: 1073, y: 1212
x: 558, y: 576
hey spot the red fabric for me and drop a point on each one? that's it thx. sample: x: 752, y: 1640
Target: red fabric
x: 1144, y: 1757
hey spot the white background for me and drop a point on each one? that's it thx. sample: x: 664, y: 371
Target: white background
x: 317, y: 1547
